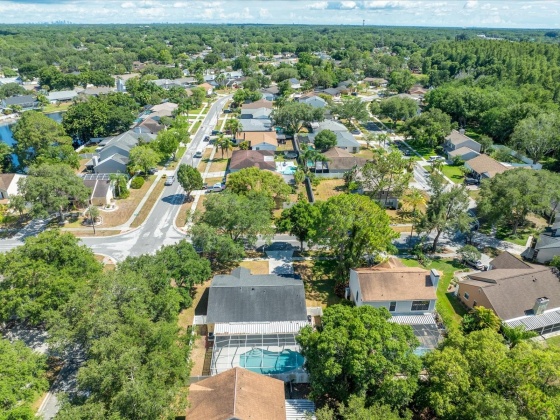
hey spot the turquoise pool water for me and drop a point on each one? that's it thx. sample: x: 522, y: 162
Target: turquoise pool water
x: 290, y: 170
x: 271, y: 362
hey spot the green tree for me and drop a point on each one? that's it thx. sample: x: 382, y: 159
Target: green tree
x: 398, y: 109
x: 429, y: 128
x: 352, y: 227
x: 385, y: 175
x: 241, y: 217
x: 412, y: 199
x: 233, y: 125
x: 300, y: 220
x: 349, y: 109
x: 445, y: 208
x: 537, y: 136
x: 254, y: 180
x: 509, y: 197
x: 93, y: 214
x: 167, y: 142
x: 120, y: 182
x: 42, y: 140
x: 5, y: 158
x: 41, y: 275
x: 17, y: 203
x: 142, y: 158
x: 294, y: 115
x: 50, y: 188
x: 515, y: 335
x: 480, y: 318
x: 189, y: 178
x: 469, y: 253
x: 218, y: 248
x: 11, y: 89
x: 358, y: 352
x: 401, y: 80
x: 325, y: 140
x: 356, y: 409
x: 22, y: 380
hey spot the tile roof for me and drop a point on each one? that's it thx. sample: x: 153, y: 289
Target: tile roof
x: 485, y: 165
x: 243, y: 297
x: 262, y: 159
x: 237, y: 394
x: 513, y: 292
x: 394, y: 283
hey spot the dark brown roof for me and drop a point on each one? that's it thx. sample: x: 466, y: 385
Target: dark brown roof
x: 343, y: 160
x: 508, y: 261
x: 237, y: 394
x: 262, y: 159
x: 392, y: 282
x: 513, y: 292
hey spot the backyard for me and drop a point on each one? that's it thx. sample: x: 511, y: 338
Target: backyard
x: 319, y: 282
x: 448, y: 306
x: 328, y: 188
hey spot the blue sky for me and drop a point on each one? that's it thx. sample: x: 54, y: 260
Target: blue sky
x: 456, y: 13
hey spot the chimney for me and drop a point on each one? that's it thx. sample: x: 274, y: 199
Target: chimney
x: 434, y: 276
x: 540, y: 305
x: 462, y: 130
x: 95, y: 161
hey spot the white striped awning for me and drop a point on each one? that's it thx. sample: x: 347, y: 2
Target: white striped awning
x: 425, y: 319
x: 284, y: 327
x: 534, y: 322
x: 300, y: 409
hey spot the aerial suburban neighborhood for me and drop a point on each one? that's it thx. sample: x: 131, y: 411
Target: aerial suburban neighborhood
x: 268, y: 221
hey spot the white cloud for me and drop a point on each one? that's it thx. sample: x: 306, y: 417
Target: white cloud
x: 471, y: 4
x: 320, y: 5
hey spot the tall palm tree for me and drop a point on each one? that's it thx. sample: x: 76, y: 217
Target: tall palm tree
x: 218, y: 143
x: 233, y: 125
x: 413, y: 199
x: 226, y: 145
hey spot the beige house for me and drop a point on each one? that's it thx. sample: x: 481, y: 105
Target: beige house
x: 101, y: 191
x: 208, y: 88
x: 9, y: 185
x: 259, y: 140
x: 484, y: 167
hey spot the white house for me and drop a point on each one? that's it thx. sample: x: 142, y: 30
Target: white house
x: 9, y: 185
x: 401, y: 290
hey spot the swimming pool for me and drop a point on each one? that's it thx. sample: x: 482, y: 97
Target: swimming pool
x: 271, y: 362
x: 289, y: 170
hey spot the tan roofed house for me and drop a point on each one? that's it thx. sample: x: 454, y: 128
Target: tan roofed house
x: 484, y: 166
x: 399, y: 289
x: 259, y: 140
x: 237, y: 394
x: 261, y: 103
x: 339, y: 161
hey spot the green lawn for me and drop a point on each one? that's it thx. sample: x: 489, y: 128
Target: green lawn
x: 180, y: 152
x: 523, y: 233
x: 47, y: 109
x: 195, y: 127
x: 453, y: 172
x: 448, y: 306
x: 554, y: 341
x: 422, y: 150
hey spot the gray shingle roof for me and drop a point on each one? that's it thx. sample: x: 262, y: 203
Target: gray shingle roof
x: 242, y: 297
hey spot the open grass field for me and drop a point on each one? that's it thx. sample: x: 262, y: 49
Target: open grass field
x: 447, y: 305
x: 50, y: 108
x: 453, y: 173
x: 199, y: 296
x: 149, y: 204
x: 328, y: 188
x: 319, y: 282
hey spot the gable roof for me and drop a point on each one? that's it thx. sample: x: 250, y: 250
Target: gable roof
x: 262, y: 159
x: 456, y: 138
x: 256, y: 124
x: 508, y: 261
x: 346, y: 139
x: 99, y: 187
x: 513, y: 292
x: 485, y: 165
x: 237, y: 394
x: 149, y: 125
x: 341, y: 159
x: 462, y: 151
x: 243, y: 297
x: 206, y: 86
x: 261, y: 103
x: 548, y: 239
x: 19, y: 100
x: 6, y: 181
x: 393, y: 282
x: 258, y: 137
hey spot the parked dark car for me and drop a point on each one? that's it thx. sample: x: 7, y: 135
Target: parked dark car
x: 471, y: 181
x: 198, y: 154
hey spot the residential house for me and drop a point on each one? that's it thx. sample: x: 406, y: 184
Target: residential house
x: 208, y: 88
x: 256, y: 317
x: 96, y: 91
x: 484, y: 167
x: 270, y: 93
x: 61, y: 96
x: 334, y: 92
x: 262, y: 159
x: 165, y: 109
x: 344, y: 139
x: 520, y: 293
x: 101, y: 188
x: 463, y: 153
x: 259, y: 140
x: 165, y: 83
x: 418, y: 91
x: 113, y: 152
x: 23, y: 101
x: 235, y: 74
x: 339, y: 162
x: 314, y: 100
x: 547, y: 245
x: 295, y: 83
x: 256, y: 124
x: 255, y: 110
x: 457, y: 140
x: 9, y: 185
x: 376, y: 81
x: 8, y: 80
x: 408, y: 293
x: 241, y: 394
x: 150, y: 125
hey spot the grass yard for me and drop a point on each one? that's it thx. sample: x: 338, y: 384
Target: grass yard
x: 214, y: 180
x: 422, y: 150
x: 195, y: 127
x: 200, y: 206
x: 453, y: 172
x: 205, y: 159
x: 365, y: 153
x: 184, y: 213
x: 149, y: 204
x: 219, y: 163
x: 553, y: 341
x: 50, y: 108
x: 447, y: 305
x: 199, y: 296
x: 288, y: 146
x: 126, y: 207
x: 328, y: 188
x: 256, y: 267
x: 474, y: 194
x: 319, y: 282
x: 523, y: 233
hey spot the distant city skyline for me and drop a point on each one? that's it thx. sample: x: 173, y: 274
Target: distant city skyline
x: 537, y: 14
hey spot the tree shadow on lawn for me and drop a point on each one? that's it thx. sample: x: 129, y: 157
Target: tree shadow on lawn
x: 318, y: 279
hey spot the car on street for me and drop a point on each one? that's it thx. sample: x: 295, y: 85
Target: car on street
x: 356, y: 132
x: 152, y: 171
x: 435, y: 158
x: 169, y: 180
x: 198, y: 154
x: 216, y: 132
x: 207, y: 138
x: 475, y: 264
x: 217, y: 187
